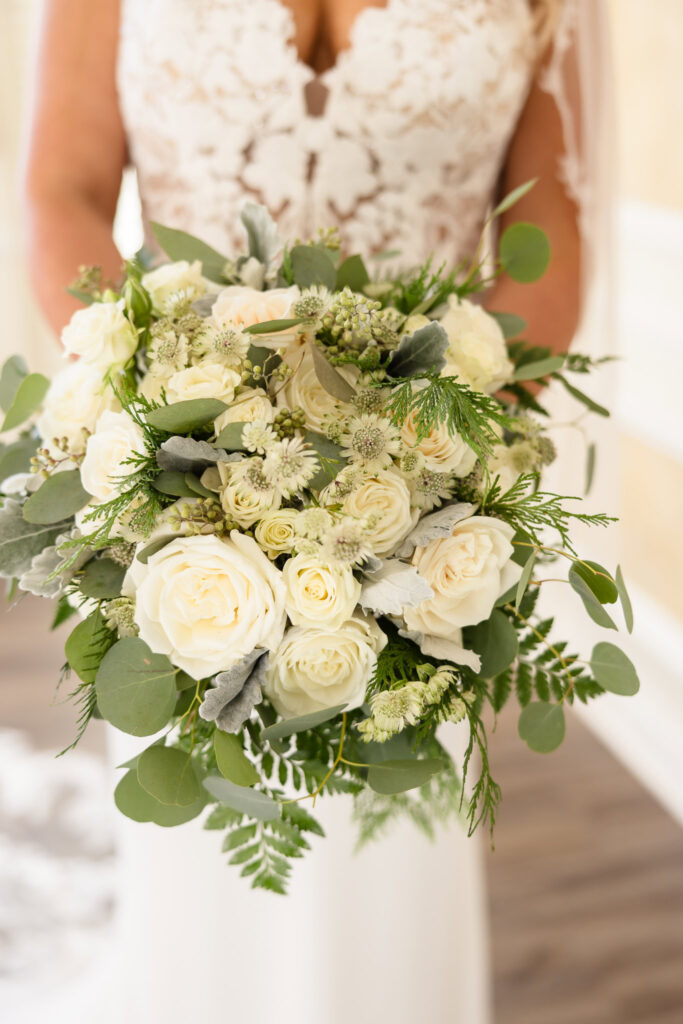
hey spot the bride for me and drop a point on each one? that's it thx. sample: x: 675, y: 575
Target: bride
x: 401, y: 122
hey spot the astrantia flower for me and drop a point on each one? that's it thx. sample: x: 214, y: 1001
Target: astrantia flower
x: 258, y: 436
x: 312, y: 303
x: 289, y: 465
x: 430, y: 488
x: 228, y: 343
x: 247, y: 494
x: 392, y: 711
x: 313, y: 523
x: 370, y: 440
x: 168, y: 350
x: 347, y: 542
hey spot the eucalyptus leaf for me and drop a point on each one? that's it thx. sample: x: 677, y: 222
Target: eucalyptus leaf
x: 330, y: 460
x: 591, y: 603
x: 392, y: 777
x: 513, y: 197
x: 510, y: 324
x: 27, y: 400
x: 329, y: 378
x: 523, y: 581
x: 596, y: 577
x: 301, y: 723
x: 626, y: 606
x: 20, y: 541
x: 541, y: 368
x: 496, y: 642
x: 178, y: 245
x: 13, y: 372
x: 151, y: 549
x: 262, y: 235
x: 542, y: 726
x: 352, y: 273
x: 185, y: 455
x: 83, y: 647
x: 135, y: 688
x: 590, y: 468
x: 247, y: 801
x: 230, y: 437
x: 173, y: 483
x: 101, y: 578
x: 16, y: 457
x: 580, y: 396
x: 524, y: 252
x: 233, y: 764
x: 133, y: 801
x: 273, y: 326
x: 167, y: 774
x: 435, y: 526
x: 312, y: 265
x: 394, y: 587
x: 614, y: 670
x: 423, y: 351
x: 184, y: 417
x: 197, y: 487
x: 59, y: 498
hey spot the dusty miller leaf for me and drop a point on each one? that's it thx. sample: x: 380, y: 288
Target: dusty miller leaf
x: 393, y: 587
x: 435, y: 526
x: 423, y: 351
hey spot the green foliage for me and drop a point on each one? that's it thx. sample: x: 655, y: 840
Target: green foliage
x: 312, y: 265
x: 524, y: 252
x: 397, y: 662
x: 13, y: 372
x: 398, y: 776
x: 178, y: 245
x: 59, y: 498
x: 289, y: 726
x: 232, y: 761
x: 167, y: 774
x: 352, y: 273
x: 423, y: 351
x: 87, y: 645
x: 542, y: 726
x: 495, y: 641
x: 614, y: 670
x: 136, y: 803
x: 21, y: 541
x: 422, y: 289
x: 16, y: 457
x: 184, y: 417
x: 101, y: 578
x: 26, y: 400
x: 135, y: 688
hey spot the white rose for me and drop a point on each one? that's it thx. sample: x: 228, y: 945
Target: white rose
x: 442, y: 451
x: 239, y: 306
x: 75, y: 400
x: 116, y: 438
x: 102, y: 335
x: 305, y: 390
x: 386, y: 497
x: 275, y: 531
x: 204, y: 380
x: 251, y: 404
x: 467, y: 571
x: 315, y: 669
x: 207, y: 603
x: 242, y: 499
x: 319, y: 595
x: 151, y: 385
x: 173, y: 278
x: 477, y: 350
x: 414, y: 322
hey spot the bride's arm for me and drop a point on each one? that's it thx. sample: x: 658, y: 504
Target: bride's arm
x: 76, y: 151
x: 551, y: 305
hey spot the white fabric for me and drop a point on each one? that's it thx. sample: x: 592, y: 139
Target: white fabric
x: 406, y: 155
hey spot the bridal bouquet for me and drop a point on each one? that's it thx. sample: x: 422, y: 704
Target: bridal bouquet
x: 296, y: 510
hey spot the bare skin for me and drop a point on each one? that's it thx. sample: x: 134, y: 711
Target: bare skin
x: 77, y: 153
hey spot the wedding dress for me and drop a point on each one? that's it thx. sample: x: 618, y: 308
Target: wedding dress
x: 401, y: 144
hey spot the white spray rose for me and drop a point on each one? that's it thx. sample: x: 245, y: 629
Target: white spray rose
x: 75, y: 400
x: 203, y: 380
x: 116, y: 438
x: 319, y: 595
x: 467, y: 571
x: 477, y: 350
x: 102, y: 335
x: 385, y: 498
x: 305, y: 390
x: 442, y: 451
x: 207, y: 603
x: 170, y: 279
x: 251, y: 404
x: 314, y: 669
x: 275, y: 531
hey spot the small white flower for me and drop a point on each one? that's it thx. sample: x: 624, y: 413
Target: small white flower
x: 258, y: 436
x: 347, y: 543
x: 289, y: 465
x: 313, y: 523
x: 371, y: 441
x: 247, y: 493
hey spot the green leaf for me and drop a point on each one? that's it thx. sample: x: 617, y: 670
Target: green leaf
x: 13, y: 372
x: 626, y: 605
x: 423, y: 351
x: 524, y: 252
x: 232, y: 762
x: 85, y: 297
x: 330, y: 379
x: 580, y: 396
x: 352, y: 273
x: 184, y: 417
x: 230, y: 437
x: 590, y: 468
x: 542, y: 726
x: 542, y: 368
x: 599, y: 582
x: 178, y: 245
x: 614, y: 670
x: 20, y: 541
x: 496, y: 642
x: 331, y: 460
x: 512, y: 197
x: 302, y: 722
x: 59, y: 498
x: 27, y: 400
x: 249, y: 801
x: 135, y: 688
x: 197, y: 487
x: 591, y: 603
x: 85, y: 646
x: 312, y: 266
x: 272, y: 326
x: 391, y: 777
x: 133, y: 801
x: 16, y: 457
x: 63, y: 612
x: 101, y: 578
x: 167, y: 774
x: 173, y: 483
x: 151, y: 549
x: 524, y: 579
x: 510, y: 324
x: 238, y: 837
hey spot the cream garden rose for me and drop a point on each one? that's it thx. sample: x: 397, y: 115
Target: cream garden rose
x: 116, y: 438
x: 75, y: 400
x: 207, y: 603
x: 467, y: 571
x: 275, y: 531
x: 251, y: 404
x: 477, y: 350
x: 245, y: 496
x: 442, y: 451
x: 240, y: 306
x: 102, y: 335
x: 314, y: 669
x: 305, y: 390
x: 203, y: 380
x: 319, y: 595
x: 384, y: 498
x: 179, y: 278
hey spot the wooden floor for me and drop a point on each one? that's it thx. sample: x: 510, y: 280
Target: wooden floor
x: 585, y: 884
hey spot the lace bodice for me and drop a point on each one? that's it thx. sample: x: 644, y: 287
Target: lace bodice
x: 404, y: 154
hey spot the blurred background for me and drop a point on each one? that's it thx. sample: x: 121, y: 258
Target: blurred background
x: 586, y: 884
